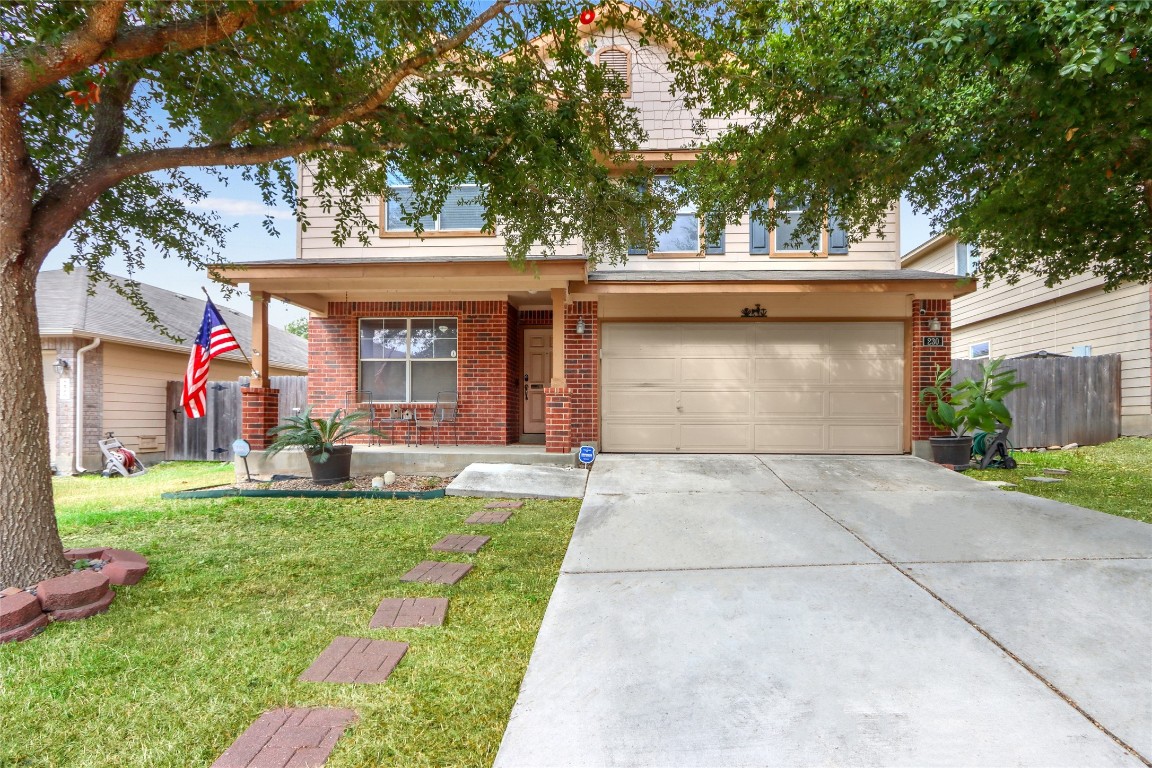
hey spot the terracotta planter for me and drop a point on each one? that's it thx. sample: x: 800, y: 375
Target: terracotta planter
x: 952, y: 451
x: 337, y: 469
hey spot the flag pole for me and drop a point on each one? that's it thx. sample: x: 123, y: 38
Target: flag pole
x: 251, y: 367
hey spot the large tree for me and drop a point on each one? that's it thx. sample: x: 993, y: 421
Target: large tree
x: 103, y: 103
x: 1024, y: 125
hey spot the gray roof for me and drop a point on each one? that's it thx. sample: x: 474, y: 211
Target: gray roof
x: 765, y: 275
x: 65, y: 308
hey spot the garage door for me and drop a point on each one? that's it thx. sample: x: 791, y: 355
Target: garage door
x: 764, y: 387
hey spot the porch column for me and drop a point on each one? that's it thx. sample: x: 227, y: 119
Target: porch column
x: 936, y: 323
x: 260, y: 403
x: 557, y: 402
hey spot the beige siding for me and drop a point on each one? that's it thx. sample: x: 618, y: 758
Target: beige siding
x: 135, y: 386
x: 669, y: 126
x: 1116, y: 322
x: 49, y: 356
x: 1029, y: 317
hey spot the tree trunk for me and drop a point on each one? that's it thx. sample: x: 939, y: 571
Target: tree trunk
x: 30, y: 548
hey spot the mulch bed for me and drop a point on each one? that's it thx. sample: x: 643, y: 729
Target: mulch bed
x: 359, y: 483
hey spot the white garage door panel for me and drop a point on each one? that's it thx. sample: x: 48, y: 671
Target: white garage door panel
x: 789, y: 403
x: 770, y: 387
x: 790, y: 438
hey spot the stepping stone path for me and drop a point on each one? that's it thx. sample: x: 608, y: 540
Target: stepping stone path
x: 1051, y: 471
x: 436, y: 572
x: 461, y: 543
x: 410, y: 612
x: 355, y: 660
x: 1044, y: 479
x: 504, y: 505
x: 491, y: 517
x: 288, y: 737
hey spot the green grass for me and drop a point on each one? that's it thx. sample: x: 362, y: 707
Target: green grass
x: 243, y: 594
x: 1115, y: 477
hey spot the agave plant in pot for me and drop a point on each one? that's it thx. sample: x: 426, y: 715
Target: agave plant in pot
x: 971, y: 404
x: 328, y: 461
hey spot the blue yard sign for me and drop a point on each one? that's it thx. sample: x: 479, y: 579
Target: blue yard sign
x: 587, y: 454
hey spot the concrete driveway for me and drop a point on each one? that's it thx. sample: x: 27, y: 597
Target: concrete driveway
x: 848, y: 611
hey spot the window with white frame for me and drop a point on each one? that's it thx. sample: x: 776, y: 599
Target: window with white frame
x: 408, y: 360
x: 684, y: 235
x: 967, y: 259
x: 462, y: 211
x: 980, y: 351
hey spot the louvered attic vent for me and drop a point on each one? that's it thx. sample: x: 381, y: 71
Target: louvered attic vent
x: 617, y: 63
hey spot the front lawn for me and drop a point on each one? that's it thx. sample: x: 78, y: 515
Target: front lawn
x: 243, y: 594
x: 1115, y: 477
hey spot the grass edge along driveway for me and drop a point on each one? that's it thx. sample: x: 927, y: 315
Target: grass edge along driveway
x: 1115, y: 477
x: 243, y: 594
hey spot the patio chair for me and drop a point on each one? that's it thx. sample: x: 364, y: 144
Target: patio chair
x: 396, y: 417
x: 444, y: 412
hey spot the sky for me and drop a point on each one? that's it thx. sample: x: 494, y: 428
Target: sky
x: 239, y: 203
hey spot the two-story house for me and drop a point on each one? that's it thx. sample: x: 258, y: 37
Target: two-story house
x: 1076, y: 317
x: 747, y: 344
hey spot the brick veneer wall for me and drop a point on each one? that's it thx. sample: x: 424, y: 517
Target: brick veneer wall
x: 260, y: 412
x: 582, y: 370
x: 926, y: 361
x: 483, y: 384
x: 558, y: 420
x: 515, y: 367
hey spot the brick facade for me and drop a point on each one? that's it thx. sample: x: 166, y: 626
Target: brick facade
x: 484, y: 383
x: 260, y: 408
x: 926, y: 361
x: 558, y: 420
x: 582, y: 371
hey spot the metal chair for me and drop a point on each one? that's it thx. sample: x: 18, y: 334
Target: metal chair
x: 444, y: 412
x: 361, y: 400
x: 395, y: 417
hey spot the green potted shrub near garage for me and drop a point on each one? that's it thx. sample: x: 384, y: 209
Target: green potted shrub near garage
x: 328, y: 461
x: 966, y: 406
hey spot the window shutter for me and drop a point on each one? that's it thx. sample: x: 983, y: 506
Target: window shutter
x: 962, y: 259
x: 715, y: 247
x: 837, y: 237
x: 758, y: 237
x: 637, y: 250
x: 616, y: 62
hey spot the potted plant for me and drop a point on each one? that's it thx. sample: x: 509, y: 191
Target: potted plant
x: 967, y: 405
x: 329, y: 462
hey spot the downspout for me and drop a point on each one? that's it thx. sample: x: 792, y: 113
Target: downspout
x: 78, y: 436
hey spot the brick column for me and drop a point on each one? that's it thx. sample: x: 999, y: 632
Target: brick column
x: 557, y: 420
x: 260, y: 413
x: 926, y: 361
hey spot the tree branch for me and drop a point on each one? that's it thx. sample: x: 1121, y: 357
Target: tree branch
x: 108, y: 117
x: 97, y: 40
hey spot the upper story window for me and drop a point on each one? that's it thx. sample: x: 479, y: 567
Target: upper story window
x: 462, y: 212
x: 618, y: 62
x: 408, y: 360
x: 782, y: 241
x: 683, y: 237
x: 967, y: 259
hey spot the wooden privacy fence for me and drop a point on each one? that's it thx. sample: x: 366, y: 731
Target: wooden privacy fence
x: 1067, y: 400
x: 210, y: 438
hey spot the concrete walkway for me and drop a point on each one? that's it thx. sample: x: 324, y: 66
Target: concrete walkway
x: 795, y: 611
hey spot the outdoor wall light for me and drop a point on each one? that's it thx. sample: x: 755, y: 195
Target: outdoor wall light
x: 580, y: 327
x: 60, y: 366
x: 934, y: 324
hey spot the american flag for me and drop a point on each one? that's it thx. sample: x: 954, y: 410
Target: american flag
x: 214, y: 339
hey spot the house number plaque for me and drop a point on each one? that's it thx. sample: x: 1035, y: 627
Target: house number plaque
x: 933, y: 341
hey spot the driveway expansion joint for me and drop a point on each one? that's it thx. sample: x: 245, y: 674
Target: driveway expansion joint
x: 984, y: 633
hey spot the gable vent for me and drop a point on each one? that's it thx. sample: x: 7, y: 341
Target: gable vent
x: 617, y: 63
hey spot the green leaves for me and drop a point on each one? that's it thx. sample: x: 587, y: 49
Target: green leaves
x: 971, y: 404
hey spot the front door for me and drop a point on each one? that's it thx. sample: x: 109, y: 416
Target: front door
x: 537, y: 374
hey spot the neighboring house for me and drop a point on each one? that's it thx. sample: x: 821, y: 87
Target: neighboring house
x: 736, y: 346
x: 1076, y: 317
x: 102, y: 357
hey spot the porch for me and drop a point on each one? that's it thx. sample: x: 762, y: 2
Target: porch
x: 408, y: 460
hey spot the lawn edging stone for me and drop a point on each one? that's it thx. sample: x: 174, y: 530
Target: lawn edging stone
x: 21, y: 616
x: 269, y: 493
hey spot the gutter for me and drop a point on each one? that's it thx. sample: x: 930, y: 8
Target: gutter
x: 78, y: 435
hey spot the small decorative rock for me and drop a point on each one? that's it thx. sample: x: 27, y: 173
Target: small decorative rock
x: 389, y: 477
x: 21, y: 616
x: 76, y: 595
x: 1070, y: 447
x: 1053, y: 447
x: 377, y: 483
